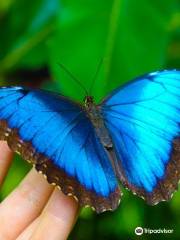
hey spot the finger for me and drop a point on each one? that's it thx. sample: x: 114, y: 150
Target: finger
x: 55, y: 200
x: 27, y: 233
x: 6, y: 156
x: 57, y: 218
x: 23, y: 205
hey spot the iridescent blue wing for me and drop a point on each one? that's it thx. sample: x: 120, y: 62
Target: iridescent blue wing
x: 143, y: 119
x: 56, y: 136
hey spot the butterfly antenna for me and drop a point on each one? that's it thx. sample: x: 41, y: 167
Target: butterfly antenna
x: 73, y: 77
x: 95, y: 75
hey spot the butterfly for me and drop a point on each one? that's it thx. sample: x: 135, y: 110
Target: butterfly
x: 132, y: 136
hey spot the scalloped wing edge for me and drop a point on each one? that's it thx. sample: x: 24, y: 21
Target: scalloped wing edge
x: 56, y: 176
x: 167, y: 185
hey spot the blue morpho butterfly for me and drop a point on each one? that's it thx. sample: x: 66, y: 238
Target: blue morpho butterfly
x: 132, y: 136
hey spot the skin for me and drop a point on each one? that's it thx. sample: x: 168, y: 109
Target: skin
x: 34, y: 210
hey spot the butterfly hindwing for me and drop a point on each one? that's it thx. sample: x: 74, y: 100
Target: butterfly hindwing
x: 143, y: 119
x: 58, y: 138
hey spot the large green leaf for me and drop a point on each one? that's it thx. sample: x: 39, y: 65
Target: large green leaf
x: 132, y: 37
x: 23, y: 34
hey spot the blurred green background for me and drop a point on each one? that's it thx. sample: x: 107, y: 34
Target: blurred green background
x: 132, y: 38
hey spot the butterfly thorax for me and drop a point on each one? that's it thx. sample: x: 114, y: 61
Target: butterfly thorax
x: 94, y: 114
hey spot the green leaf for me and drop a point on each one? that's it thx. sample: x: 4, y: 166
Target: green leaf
x: 24, y: 34
x: 132, y: 37
x: 4, y: 6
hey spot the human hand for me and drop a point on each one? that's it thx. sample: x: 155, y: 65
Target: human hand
x: 34, y: 210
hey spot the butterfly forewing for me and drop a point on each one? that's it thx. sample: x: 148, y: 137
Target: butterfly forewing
x: 56, y: 135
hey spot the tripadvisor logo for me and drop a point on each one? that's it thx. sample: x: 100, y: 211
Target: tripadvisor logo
x: 140, y: 231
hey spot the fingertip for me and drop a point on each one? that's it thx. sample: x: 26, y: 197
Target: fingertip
x: 58, y: 217
x: 69, y: 209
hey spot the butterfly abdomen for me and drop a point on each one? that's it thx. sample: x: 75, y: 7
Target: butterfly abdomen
x: 97, y: 120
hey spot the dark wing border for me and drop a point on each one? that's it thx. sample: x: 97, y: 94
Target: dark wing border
x: 166, y: 186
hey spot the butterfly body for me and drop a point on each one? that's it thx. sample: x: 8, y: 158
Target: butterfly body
x: 94, y: 113
x: 132, y: 136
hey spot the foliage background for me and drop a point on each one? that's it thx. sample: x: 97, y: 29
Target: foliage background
x: 133, y: 37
